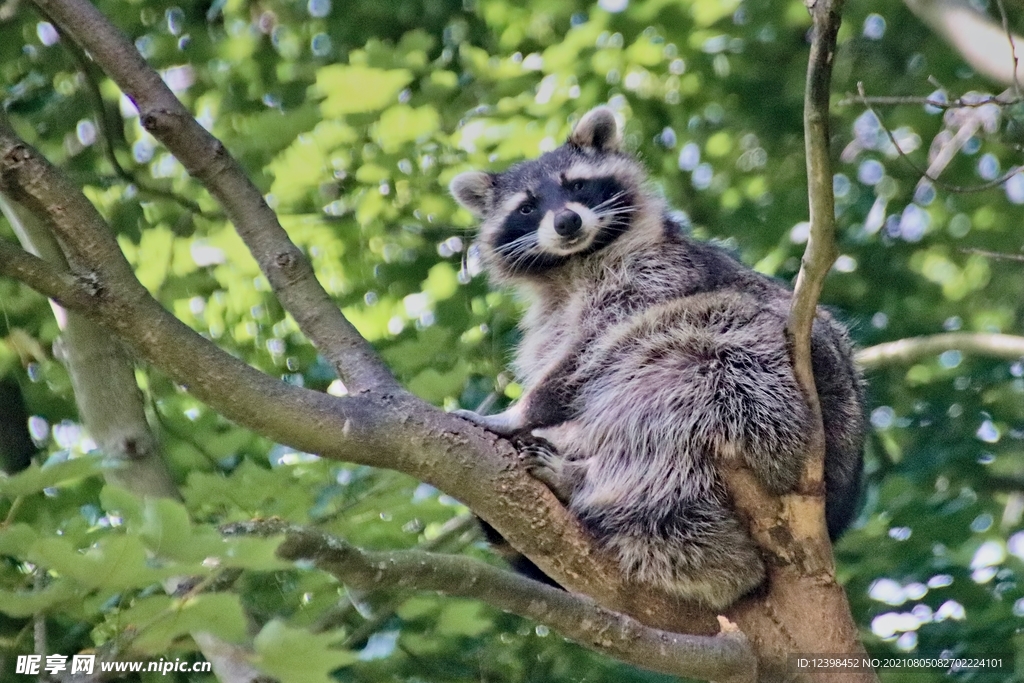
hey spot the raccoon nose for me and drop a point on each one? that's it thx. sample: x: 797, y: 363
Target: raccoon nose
x: 568, y: 223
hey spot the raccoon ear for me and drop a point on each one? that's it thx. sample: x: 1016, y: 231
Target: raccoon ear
x: 597, y: 130
x: 473, y: 190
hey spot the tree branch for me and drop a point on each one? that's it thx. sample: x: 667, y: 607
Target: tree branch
x: 107, y: 290
x: 287, y: 269
x: 393, y: 430
x: 110, y: 131
x: 1004, y: 346
x: 726, y: 658
x: 821, y: 251
x: 111, y: 407
x: 791, y: 528
x: 59, y: 285
x: 103, y: 376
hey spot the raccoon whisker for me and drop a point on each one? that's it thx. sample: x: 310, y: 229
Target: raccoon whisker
x: 613, y: 198
x: 516, y: 244
x: 614, y: 210
x: 518, y: 250
x: 617, y: 212
x: 517, y: 241
x: 526, y: 259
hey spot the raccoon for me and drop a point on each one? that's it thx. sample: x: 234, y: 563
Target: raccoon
x: 647, y: 360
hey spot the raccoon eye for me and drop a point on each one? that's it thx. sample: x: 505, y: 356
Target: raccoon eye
x: 577, y: 185
x: 526, y: 209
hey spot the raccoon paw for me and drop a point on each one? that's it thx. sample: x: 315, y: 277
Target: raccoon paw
x: 547, y: 465
x: 505, y: 424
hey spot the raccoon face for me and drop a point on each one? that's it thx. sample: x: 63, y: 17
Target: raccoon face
x: 569, y: 203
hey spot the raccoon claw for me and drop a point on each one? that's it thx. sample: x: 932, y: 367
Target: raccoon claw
x: 502, y: 424
x: 544, y: 464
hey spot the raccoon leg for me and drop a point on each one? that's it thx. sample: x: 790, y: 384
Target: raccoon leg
x: 560, y: 474
x: 504, y: 423
x: 519, y: 563
x: 547, y: 403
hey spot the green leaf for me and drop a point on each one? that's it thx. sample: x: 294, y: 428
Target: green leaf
x: 357, y: 89
x: 26, y: 603
x: 168, y: 532
x: 298, y: 656
x: 403, y: 124
x: 160, y: 619
x: 166, y: 528
x: 36, y: 478
x: 16, y: 539
x: 258, y: 554
x: 112, y: 562
x: 463, y: 618
x: 113, y: 498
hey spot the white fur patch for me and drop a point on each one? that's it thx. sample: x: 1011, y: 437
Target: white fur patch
x: 625, y: 170
x: 553, y: 243
x: 512, y: 203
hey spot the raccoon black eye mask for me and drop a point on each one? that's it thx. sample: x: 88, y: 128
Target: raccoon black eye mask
x: 648, y: 359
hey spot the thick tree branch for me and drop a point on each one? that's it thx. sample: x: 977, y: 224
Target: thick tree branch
x: 725, y: 658
x: 108, y: 291
x: 791, y: 528
x: 393, y: 430
x: 103, y: 375
x: 288, y: 270
x: 59, y: 285
x: 1004, y: 346
x: 111, y: 407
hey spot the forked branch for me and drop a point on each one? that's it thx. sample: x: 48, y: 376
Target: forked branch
x: 287, y: 269
x: 396, y: 431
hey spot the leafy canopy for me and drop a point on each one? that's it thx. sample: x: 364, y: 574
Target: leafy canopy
x: 352, y: 117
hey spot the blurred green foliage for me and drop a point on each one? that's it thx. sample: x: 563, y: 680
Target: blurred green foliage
x: 351, y: 117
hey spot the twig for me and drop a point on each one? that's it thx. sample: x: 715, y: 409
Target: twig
x: 12, y: 512
x: 999, y: 255
x: 1004, y: 346
x: 821, y: 251
x: 287, y: 269
x: 958, y: 189
x: 722, y: 658
x: 959, y: 103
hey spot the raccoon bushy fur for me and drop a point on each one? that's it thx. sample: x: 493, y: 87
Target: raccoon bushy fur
x: 647, y: 359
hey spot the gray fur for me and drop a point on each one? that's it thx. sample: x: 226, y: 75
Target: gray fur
x: 473, y: 190
x: 597, y: 130
x: 649, y: 360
